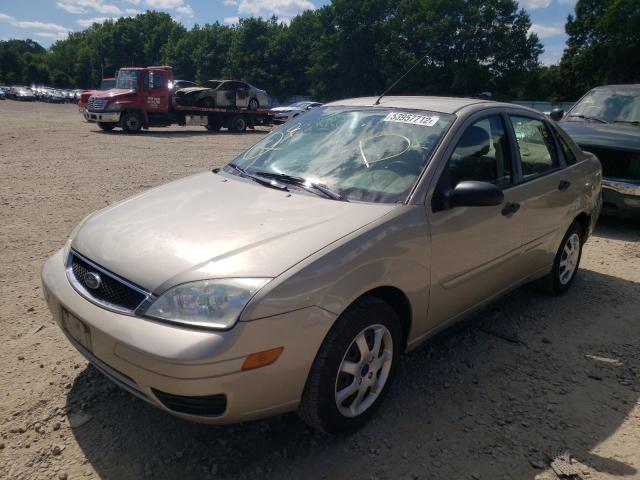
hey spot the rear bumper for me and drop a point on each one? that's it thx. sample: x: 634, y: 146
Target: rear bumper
x: 177, y: 368
x: 620, y: 198
x: 102, y: 117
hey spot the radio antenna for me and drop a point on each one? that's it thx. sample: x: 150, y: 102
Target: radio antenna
x: 403, y: 75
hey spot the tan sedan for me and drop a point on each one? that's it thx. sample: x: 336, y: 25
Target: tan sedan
x: 294, y: 277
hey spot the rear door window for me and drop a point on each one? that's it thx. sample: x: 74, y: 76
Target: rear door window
x: 536, y: 146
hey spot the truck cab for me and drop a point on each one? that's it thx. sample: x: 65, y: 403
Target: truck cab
x: 139, y: 99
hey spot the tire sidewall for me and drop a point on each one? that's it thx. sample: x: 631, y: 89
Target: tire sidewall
x: 125, y: 126
x: 238, y: 124
x: 558, y: 286
x: 354, y: 320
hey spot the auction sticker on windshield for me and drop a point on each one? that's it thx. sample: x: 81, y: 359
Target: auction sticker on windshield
x: 412, y: 118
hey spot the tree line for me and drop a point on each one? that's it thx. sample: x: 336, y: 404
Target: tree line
x: 354, y: 47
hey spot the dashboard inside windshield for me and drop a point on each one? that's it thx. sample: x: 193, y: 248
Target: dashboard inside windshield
x: 369, y: 154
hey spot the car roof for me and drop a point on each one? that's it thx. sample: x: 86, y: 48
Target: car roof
x: 435, y: 104
x: 630, y: 86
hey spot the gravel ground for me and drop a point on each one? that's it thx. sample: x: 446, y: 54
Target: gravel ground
x: 493, y: 399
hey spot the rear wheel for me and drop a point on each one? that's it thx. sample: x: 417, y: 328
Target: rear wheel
x: 565, y: 264
x: 107, y: 127
x: 354, y: 367
x: 131, y: 122
x: 253, y: 104
x: 237, y: 124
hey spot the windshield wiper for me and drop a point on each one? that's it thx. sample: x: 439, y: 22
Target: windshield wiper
x: 584, y: 117
x: 262, y: 181
x: 629, y: 122
x: 301, y: 182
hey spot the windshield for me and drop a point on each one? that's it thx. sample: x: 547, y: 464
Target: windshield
x: 128, y: 79
x: 363, y: 154
x: 211, y: 84
x: 609, y: 105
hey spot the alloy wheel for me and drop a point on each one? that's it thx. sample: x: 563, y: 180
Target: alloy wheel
x: 569, y: 259
x: 364, y: 370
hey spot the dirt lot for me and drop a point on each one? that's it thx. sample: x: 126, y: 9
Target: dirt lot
x: 490, y: 400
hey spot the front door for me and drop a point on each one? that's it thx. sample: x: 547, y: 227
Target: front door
x: 475, y: 250
x: 156, y: 91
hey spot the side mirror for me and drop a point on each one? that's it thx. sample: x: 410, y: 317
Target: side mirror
x: 556, y: 114
x: 472, y: 193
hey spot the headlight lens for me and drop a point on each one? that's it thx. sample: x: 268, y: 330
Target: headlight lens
x: 114, y: 107
x: 206, y: 303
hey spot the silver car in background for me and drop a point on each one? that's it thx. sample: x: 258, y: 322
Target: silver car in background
x: 286, y: 113
x: 294, y: 277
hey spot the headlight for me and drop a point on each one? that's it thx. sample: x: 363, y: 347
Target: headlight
x: 114, y: 107
x: 206, y: 303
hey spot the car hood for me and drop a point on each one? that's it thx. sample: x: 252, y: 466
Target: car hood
x: 114, y: 92
x: 215, y: 226
x: 604, y: 135
x: 285, y: 109
x: 188, y: 90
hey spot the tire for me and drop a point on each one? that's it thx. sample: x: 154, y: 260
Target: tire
x: 254, y: 104
x: 131, y: 122
x: 565, y: 264
x: 320, y: 406
x: 237, y: 124
x: 107, y: 127
x: 214, y: 124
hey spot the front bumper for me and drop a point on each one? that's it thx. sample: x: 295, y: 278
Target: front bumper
x: 102, y: 117
x: 620, y: 198
x: 157, y: 361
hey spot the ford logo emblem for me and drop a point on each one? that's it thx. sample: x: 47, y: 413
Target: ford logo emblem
x: 92, y: 280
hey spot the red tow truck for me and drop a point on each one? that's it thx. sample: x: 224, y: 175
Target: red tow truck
x: 142, y: 99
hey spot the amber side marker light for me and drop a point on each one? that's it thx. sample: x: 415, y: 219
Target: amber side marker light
x: 262, y: 359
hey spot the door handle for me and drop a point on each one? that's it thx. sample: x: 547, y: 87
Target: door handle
x: 510, y: 208
x: 564, y: 184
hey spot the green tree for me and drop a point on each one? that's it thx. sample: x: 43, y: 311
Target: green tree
x: 603, y: 45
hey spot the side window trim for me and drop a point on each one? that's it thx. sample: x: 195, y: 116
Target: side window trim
x: 469, y: 122
x: 561, y: 164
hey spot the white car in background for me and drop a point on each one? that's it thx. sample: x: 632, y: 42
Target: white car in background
x: 284, y: 114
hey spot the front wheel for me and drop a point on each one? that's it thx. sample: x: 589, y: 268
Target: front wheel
x: 131, y: 122
x: 107, y: 127
x: 253, y: 104
x: 565, y: 264
x: 354, y: 368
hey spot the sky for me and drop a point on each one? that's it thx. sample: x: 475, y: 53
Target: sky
x: 49, y: 20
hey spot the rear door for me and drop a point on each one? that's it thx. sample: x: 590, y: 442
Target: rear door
x: 548, y: 188
x: 475, y: 251
x: 242, y: 94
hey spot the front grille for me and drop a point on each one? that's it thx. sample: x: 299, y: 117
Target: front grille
x: 96, y: 103
x: 617, y: 164
x: 110, y: 290
x: 206, y: 406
